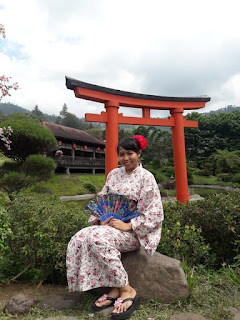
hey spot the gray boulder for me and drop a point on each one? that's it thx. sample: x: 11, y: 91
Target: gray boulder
x: 187, y: 316
x: 20, y: 303
x: 63, y: 301
x: 155, y: 277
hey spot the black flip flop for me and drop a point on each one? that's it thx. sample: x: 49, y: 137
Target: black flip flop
x: 126, y: 314
x: 96, y: 308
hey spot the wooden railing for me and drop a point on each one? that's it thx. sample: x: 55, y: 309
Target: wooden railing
x: 69, y: 161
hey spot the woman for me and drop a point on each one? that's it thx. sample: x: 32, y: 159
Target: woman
x: 93, y: 255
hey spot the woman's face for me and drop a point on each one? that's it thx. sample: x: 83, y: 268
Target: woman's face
x: 128, y: 158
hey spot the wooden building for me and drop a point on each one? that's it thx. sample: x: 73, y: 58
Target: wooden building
x: 82, y: 152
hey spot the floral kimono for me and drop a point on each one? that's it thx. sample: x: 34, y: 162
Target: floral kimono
x: 94, y: 253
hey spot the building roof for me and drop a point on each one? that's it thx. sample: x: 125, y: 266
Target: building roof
x: 60, y: 131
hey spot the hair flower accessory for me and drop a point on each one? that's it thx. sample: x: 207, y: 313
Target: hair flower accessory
x: 141, y: 140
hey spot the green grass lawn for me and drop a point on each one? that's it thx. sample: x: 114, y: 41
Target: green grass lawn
x: 68, y: 185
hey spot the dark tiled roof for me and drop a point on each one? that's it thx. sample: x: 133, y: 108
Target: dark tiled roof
x: 74, y: 83
x: 71, y: 133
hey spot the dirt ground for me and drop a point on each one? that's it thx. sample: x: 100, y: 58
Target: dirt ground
x: 7, y: 291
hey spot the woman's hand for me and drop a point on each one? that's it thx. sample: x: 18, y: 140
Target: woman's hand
x: 106, y: 222
x: 120, y: 225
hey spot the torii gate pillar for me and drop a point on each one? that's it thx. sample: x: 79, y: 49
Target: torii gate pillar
x: 114, y: 98
x: 179, y: 155
x: 111, y: 157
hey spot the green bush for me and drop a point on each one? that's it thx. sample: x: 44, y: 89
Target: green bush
x: 41, y: 229
x: 28, y: 137
x: 5, y: 233
x: 226, y: 177
x: 13, y: 182
x: 39, y: 166
x: 90, y: 187
x: 9, y: 166
x: 218, y: 218
x: 181, y: 240
x: 236, y: 178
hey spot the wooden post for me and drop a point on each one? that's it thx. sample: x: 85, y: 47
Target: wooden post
x: 179, y: 156
x: 111, y: 157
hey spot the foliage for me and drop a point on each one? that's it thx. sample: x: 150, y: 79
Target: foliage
x: 215, y: 132
x: 218, y: 218
x: 5, y: 233
x: 91, y: 187
x: 37, y: 114
x: 181, y: 240
x: 169, y: 185
x: 41, y: 229
x: 236, y: 178
x: 156, y: 163
x: 29, y: 137
x: 13, y: 182
x: 96, y: 132
x: 39, y: 166
x: 159, y: 143
x: 69, y: 119
x: 227, y: 161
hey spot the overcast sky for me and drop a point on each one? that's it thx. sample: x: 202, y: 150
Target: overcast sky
x: 170, y: 47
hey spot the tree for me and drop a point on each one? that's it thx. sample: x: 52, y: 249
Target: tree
x: 214, y: 132
x: 96, y: 132
x: 29, y: 137
x: 69, y: 119
x: 38, y: 115
x: 227, y: 161
x: 5, y: 82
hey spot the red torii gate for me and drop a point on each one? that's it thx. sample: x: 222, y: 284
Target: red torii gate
x: 114, y: 98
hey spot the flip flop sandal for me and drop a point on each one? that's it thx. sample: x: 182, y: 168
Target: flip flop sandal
x: 126, y: 314
x: 101, y: 299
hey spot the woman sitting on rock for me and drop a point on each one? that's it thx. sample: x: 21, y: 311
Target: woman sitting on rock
x: 94, y: 253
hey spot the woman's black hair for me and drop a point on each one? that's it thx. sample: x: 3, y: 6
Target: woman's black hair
x: 129, y: 144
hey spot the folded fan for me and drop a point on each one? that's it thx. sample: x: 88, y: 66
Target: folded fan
x: 112, y: 205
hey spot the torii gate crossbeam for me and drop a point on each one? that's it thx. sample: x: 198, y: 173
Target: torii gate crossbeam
x: 113, y: 99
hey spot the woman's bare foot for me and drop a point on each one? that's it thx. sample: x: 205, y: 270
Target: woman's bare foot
x: 125, y: 292
x: 113, y: 293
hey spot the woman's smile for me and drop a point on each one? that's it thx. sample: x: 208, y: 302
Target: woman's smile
x: 128, y: 158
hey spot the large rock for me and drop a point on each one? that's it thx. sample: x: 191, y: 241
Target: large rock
x: 63, y: 301
x: 187, y: 316
x: 155, y: 277
x: 20, y: 303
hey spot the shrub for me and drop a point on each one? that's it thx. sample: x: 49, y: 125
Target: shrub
x: 218, y: 218
x: 226, y: 177
x: 159, y: 178
x: 90, y: 187
x: 14, y: 182
x: 28, y: 137
x: 5, y: 232
x: 42, y: 228
x: 182, y: 241
x: 236, y: 178
x: 169, y: 185
x: 39, y: 166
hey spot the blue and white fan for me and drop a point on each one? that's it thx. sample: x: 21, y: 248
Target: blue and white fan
x: 112, y: 205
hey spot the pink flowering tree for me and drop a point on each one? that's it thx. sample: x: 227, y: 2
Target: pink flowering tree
x: 6, y: 83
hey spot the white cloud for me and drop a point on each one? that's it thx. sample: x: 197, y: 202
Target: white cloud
x: 175, y: 48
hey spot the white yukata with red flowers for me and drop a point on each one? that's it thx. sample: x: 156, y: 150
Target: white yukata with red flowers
x: 94, y: 253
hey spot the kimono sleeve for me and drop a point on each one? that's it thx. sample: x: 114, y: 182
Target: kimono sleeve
x: 94, y: 220
x: 150, y: 207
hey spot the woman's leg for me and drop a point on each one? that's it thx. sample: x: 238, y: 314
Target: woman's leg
x: 93, y: 258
